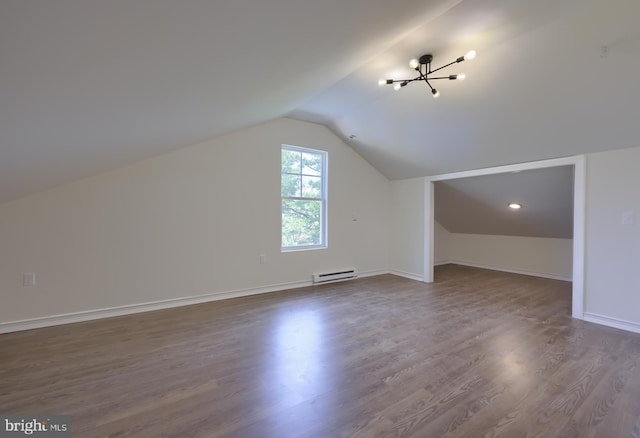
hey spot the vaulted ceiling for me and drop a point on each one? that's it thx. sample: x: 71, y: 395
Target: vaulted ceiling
x: 89, y: 85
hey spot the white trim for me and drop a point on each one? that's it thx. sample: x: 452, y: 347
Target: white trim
x: 373, y: 273
x: 612, y: 322
x: 512, y: 271
x: 556, y: 162
x: 442, y: 262
x: 324, y: 214
x: 89, y: 315
x: 579, y: 217
x: 286, y: 249
x: 579, y: 235
x: 429, y: 233
x: 408, y: 275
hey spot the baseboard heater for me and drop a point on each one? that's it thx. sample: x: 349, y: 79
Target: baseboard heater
x: 339, y: 275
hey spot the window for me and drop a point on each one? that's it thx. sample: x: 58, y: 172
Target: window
x: 304, y: 198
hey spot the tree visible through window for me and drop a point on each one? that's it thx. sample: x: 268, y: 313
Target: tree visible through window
x: 303, y: 191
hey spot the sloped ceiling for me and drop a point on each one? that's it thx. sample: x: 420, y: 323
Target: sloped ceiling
x: 479, y: 205
x: 552, y: 79
x: 89, y: 85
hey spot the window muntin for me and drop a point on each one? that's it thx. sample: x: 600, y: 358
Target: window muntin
x: 304, y: 195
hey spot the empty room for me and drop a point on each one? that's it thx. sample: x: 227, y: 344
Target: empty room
x: 287, y: 218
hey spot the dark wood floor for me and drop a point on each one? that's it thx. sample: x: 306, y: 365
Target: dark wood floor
x: 477, y: 354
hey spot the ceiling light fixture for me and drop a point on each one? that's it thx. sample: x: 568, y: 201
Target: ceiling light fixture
x: 515, y: 206
x: 423, y: 67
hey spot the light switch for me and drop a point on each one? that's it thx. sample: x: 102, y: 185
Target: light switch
x: 29, y: 279
x: 627, y: 218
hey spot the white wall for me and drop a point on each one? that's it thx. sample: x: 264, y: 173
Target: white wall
x: 441, y: 244
x: 612, y: 280
x: 406, y: 235
x: 612, y: 274
x: 194, y: 221
x: 187, y: 223
x: 612, y: 265
x: 528, y: 255
x: 543, y: 257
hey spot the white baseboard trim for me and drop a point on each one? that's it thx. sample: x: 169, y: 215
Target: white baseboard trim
x: 612, y: 322
x: 89, y: 315
x: 512, y: 271
x: 68, y: 318
x: 442, y: 262
x: 408, y: 275
x: 372, y: 273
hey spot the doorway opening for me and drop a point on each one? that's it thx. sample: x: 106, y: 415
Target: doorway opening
x: 579, y: 176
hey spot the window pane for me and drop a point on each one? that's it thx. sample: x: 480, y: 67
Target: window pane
x: 301, y: 223
x: 291, y: 185
x: 311, y: 187
x: 291, y: 161
x: 311, y: 164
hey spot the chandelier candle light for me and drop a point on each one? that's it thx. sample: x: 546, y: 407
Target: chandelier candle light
x: 423, y: 67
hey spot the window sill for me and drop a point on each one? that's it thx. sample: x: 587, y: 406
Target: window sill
x: 303, y: 248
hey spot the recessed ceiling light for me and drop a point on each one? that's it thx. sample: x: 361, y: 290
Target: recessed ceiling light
x: 515, y: 206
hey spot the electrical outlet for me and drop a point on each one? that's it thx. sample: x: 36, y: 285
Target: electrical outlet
x: 29, y: 279
x: 263, y: 259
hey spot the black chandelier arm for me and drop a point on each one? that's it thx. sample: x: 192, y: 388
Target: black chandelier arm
x: 450, y: 77
x: 422, y: 77
x: 429, y: 85
x: 447, y: 65
x: 426, y: 79
x: 393, y: 81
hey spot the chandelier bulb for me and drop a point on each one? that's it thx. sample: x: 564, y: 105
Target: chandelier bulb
x: 471, y: 54
x: 396, y: 86
x: 461, y: 77
x: 435, y: 93
x: 414, y: 63
x: 382, y: 82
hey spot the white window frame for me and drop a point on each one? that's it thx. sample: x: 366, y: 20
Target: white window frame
x: 323, y: 199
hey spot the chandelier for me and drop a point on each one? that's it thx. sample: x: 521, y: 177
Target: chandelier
x: 423, y: 67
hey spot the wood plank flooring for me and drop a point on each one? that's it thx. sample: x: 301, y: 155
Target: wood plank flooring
x: 476, y: 354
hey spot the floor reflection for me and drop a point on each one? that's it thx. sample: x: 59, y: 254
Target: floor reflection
x: 299, y: 352
x: 301, y: 372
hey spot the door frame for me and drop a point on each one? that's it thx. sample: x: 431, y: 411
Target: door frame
x: 579, y: 217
